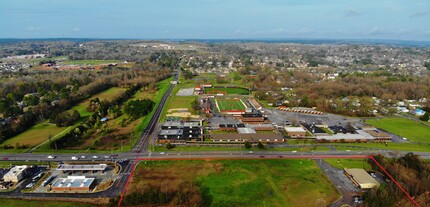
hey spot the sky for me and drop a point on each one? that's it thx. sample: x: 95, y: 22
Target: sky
x: 216, y: 19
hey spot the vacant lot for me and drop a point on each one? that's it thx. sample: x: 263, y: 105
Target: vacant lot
x: 226, y: 90
x: 240, y: 182
x: 35, y: 135
x: 229, y: 104
x: 412, y: 130
x: 348, y: 163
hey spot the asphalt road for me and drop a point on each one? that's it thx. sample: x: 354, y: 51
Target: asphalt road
x: 143, y: 142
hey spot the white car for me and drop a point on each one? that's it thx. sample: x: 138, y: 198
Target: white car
x: 162, y: 153
x: 294, y: 151
x: 51, y: 157
x: 83, y: 156
x: 107, y: 156
x: 251, y: 152
x: 95, y: 157
x: 30, y: 185
x: 75, y: 158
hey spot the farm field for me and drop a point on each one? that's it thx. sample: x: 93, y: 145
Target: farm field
x: 226, y: 90
x: 229, y: 104
x: 239, y: 182
x: 413, y: 131
x: 35, y: 135
x: 348, y: 163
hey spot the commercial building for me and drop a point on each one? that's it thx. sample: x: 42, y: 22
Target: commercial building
x: 252, y: 138
x: 260, y: 127
x: 15, y: 174
x: 295, y: 131
x: 360, y: 136
x: 180, y: 131
x: 90, y: 168
x: 252, y: 118
x: 379, y: 135
x: 73, y: 183
x: 361, y: 178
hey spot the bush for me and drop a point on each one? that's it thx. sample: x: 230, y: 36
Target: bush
x: 248, y: 145
x: 170, y: 146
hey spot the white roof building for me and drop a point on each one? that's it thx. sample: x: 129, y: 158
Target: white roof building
x: 15, y: 174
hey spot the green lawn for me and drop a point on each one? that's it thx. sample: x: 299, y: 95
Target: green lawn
x: 225, y: 183
x: 89, y: 62
x: 412, y: 130
x: 227, y: 90
x: 230, y: 104
x: 181, y: 102
x: 7, y: 202
x: 35, y: 135
x: 348, y: 163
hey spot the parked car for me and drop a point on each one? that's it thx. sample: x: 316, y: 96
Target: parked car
x: 30, y: 185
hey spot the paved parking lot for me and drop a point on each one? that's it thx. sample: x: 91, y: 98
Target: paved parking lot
x: 185, y: 92
x: 281, y: 117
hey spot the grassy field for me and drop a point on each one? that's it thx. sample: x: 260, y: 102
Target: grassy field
x: 35, y: 135
x: 412, y: 130
x: 227, y: 90
x: 104, y: 95
x: 182, y: 102
x: 89, y: 62
x: 242, y: 182
x: 6, y: 202
x: 348, y: 163
x: 230, y: 104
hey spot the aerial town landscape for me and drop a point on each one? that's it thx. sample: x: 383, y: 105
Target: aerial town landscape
x: 205, y: 121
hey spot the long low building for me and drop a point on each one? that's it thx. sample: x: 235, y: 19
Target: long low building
x: 361, y: 178
x: 253, y: 138
x: 73, y: 183
x: 69, y: 168
x: 360, y: 136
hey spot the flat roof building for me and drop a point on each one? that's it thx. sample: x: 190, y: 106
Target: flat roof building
x: 98, y: 167
x: 15, y: 174
x: 295, y: 131
x: 246, y: 130
x: 253, y: 138
x: 73, y: 183
x: 361, y: 178
x: 361, y: 136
